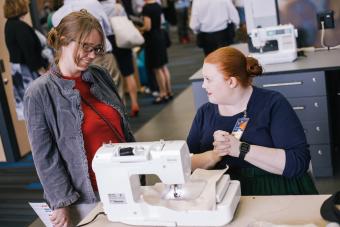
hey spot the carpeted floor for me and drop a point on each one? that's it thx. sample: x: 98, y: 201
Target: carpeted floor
x: 184, y: 60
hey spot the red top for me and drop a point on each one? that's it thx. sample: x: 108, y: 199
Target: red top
x: 95, y: 130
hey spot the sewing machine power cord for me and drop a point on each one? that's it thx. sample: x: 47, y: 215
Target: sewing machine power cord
x: 92, y: 219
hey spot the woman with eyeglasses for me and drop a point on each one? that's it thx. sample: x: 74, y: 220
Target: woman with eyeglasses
x: 70, y: 112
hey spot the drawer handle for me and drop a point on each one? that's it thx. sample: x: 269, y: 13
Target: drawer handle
x: 317, y: 128
x: 283, y: 84
x: 320, y: 152
x: 298, y: 107
x: 316, y: 104
x: 5, y: 80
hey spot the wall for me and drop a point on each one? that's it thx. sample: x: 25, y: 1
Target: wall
x: 303, y: 14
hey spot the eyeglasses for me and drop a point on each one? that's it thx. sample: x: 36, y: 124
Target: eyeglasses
x: 88, y: 48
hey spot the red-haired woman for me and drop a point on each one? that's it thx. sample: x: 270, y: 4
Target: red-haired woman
x: 252, y: 130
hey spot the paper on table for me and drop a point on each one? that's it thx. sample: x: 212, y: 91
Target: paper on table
x: 43, y: 211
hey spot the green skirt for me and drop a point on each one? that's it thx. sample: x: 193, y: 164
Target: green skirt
x: 255, y: 181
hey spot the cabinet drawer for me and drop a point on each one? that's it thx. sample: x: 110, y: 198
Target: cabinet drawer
x: 322, y: 171
x: 310, y: 108
x: 294, y: 84
x: 321, y: 156
x: 317, y: 132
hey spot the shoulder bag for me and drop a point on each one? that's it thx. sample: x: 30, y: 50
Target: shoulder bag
x: 126, y: 34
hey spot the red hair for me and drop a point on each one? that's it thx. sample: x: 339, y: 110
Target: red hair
x: 233, y: 63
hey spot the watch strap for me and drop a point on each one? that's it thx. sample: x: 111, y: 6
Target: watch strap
x: 244, y: 149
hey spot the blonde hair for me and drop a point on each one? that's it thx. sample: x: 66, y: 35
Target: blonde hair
x: 233, y: 63
x: 76, y: 26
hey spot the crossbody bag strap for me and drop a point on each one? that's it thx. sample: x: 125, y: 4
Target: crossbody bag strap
x: 114, y: 130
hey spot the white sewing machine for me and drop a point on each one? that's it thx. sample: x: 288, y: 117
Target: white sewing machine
x: 181, y: 198
x: 275, y: 44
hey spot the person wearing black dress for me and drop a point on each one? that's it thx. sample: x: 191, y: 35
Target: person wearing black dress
x: 155, y: 49
x: 24, y: 50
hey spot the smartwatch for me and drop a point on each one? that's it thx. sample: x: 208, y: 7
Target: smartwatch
x: 244, y: 149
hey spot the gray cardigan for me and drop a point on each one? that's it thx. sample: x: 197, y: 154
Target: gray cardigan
x: 54, y: 116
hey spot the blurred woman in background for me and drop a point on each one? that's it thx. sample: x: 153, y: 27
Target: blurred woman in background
x: 156, y: 56
x: 24, y: 50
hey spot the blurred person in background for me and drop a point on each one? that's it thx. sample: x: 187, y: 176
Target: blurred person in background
x: 123, y: 56
x: 156, y: 56
x: 241, y: 33
x: 25, y: 50
x: 214, y: 22
x: 182, y: 7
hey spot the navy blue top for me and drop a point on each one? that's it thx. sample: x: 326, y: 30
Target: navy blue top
x: 273, y: 123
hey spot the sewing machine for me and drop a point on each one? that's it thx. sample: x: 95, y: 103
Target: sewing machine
x: 204, y: 198
x: 275, y: 44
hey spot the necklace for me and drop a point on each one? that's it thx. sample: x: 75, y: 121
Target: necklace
x: 245, y: 113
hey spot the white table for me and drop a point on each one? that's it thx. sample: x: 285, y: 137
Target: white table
x: 290, y: 210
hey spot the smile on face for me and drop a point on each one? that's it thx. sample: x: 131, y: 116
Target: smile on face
x: 89, y: 49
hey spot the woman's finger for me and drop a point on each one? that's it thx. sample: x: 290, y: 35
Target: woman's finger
x: 221, y: 143
x: 218, y: 132
x: 222, y: 147
x: 222, y: 152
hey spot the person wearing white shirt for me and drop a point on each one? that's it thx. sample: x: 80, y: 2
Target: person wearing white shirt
x: 215, y: 22
x: 239, y: 4
x: 93, y: 7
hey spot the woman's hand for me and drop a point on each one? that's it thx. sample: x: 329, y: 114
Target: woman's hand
x: 205, y: 160
x: 226, y: 144
x: 272, y: 160
x: 61, y: 217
